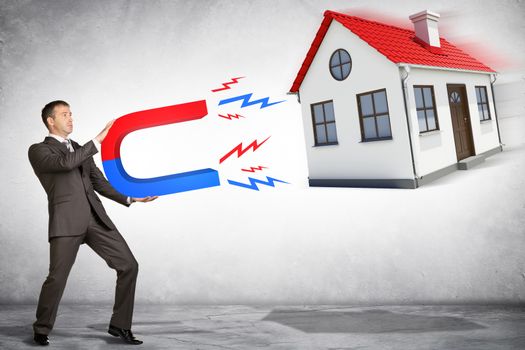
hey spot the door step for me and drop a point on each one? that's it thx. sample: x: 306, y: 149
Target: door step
x: 470, y: 162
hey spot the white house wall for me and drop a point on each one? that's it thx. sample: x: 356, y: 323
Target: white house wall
x: 436, y: 150
x: 351, y: 158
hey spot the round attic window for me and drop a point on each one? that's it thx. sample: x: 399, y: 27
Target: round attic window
x: 340, y: 64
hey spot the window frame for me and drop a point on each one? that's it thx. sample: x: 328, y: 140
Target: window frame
x: 425, y: 108
x: 481, y: 103
x: 340, y: 65
x: 374, y: 115
x: 314, y: 124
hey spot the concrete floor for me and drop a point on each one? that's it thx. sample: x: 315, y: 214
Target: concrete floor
x: 281, y: 327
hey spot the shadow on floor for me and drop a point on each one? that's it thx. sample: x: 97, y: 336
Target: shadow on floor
x: 25, y: 334
x: 154, y: 327
x: 367, y: 321
x: 99, y: 331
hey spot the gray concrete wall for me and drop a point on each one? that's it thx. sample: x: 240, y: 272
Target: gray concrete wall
x: 460, y: 239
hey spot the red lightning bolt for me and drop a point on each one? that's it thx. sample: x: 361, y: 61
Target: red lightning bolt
x: 226, y: 86
x: 252, y: 169
x: 240, y: 151
x: 230, y: 116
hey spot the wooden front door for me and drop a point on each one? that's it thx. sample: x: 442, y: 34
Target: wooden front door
x: 457, y: 100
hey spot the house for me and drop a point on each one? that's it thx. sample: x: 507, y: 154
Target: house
x: 389, y: 107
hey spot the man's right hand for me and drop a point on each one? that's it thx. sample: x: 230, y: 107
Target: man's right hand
x: 102, y: 135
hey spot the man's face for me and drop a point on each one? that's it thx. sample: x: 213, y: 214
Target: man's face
x: 62, y: 123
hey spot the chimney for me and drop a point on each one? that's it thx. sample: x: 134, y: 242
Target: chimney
x: 426, y: 27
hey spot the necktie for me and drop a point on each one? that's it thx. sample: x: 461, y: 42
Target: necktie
x: 68, y: 144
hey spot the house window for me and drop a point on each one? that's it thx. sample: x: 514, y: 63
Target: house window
x: 340, y: 64
x: 323, y: 118
x: 426, y: 108
x: 483, y: 104
x: 373, y: 116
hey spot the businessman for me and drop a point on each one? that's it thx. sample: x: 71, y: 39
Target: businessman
x: 70, y: 178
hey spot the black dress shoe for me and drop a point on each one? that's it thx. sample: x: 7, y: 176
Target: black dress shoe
x: 41, y: 339
x: 124, y: 334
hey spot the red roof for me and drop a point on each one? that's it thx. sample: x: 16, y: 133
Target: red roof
x: 397, y: 44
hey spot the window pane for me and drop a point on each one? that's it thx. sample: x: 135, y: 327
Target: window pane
x: 485, y: 111
x: 332, y: 133
x: 454, y: 97
x: 336, y: 72
x: 318, y: 113
x: 431, y: 119
x: 334, y: 60
x: 483, y: 92
x: 366, y: 105
x: 321, y: 134
x: 428, y: 97
x: 383, y: 126
x: 480, y: 110
x: 478, y: 94
x: 369, y: 128
x: 421, y: 121
x: 346, y: 69
x: 419, y: 97
x: 329, y: 112
x: 380, y: 102
x: 345, y: 56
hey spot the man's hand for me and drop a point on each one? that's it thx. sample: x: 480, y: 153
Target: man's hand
x: 144, y: 200
x: 102, y: 135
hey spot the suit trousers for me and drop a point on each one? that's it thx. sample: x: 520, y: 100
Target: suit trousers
x: 111, y: 247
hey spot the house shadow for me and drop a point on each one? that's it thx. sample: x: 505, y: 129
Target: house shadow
x: 367, y: 321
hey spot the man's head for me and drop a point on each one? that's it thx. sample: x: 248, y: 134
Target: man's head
x: 58, y: 118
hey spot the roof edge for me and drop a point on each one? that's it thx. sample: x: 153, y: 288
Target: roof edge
x: 422, y: 66
x: 312, y: 51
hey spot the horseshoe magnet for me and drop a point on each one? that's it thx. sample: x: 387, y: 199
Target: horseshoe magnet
x: 155, y: 186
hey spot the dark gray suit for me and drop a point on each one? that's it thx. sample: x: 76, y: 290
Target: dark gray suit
x: 76, y: 216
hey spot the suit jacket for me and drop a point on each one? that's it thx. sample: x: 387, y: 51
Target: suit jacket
x: 70, y: 180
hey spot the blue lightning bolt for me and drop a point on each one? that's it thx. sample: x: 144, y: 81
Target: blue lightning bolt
x: 254, y: 182
x: 246, y: 101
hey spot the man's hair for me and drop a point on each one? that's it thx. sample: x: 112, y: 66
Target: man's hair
x: 49, y: 110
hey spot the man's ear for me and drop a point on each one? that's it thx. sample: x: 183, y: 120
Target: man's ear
x: 50, y: 121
